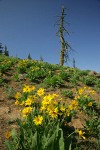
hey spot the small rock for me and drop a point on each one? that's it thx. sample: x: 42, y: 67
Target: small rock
x: 22, y: 76
x: 93, y: 73
x: 98, y: 75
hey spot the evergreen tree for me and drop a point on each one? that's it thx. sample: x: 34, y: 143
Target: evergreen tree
x: 41, y: 58
x: 6, y: 52
x: 29, y: 56
x: 65, y: 47
x: 74, y: 63
x: 1, y: 48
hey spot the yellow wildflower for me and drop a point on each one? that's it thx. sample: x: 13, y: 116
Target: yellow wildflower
x: 43, y: 107
x: 77, y: 97
x: 85, y: 96
x: 84, y: 87
x: 62, y: 108
x: 17, y: 95
x: 90, y: 104
x: 46, y: 99
x: 26, y: 89
x: 80, y: 91
x: 16, y: 102
x: 22, y: 103
x: 28, y: 101
x: 54, y: 95
x: 92, y: 92
x: 53, y: 113
x: 67, y: 112
x: 40, y: 92
x: 26, y: 111
x: 38, y: 120
x: 54, y: 102
x: 81, y: 133
x: 49, y: 108
x: 74, y: 104
x: 70, y: 107
x: 8, y: 134
x: 33, y: 88
x: 60, y: 99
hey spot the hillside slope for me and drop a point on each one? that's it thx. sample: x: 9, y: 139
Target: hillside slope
x: 69, y: 83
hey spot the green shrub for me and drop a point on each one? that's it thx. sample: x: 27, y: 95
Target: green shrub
x: 89, y: 80
x: 37, y: 75
x: 74, y: 79
x: 84, y: 72
x: 68, y: 93
x: 55, y: 81
x: 98, y: 83
x: 93, y: 127
x: 64, y: 75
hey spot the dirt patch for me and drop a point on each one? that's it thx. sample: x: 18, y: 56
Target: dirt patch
x: 8, y: 115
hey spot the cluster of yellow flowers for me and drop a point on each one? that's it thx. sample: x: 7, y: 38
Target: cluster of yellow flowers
x: 85, y: 92
x: 26, y: 62
x: 34, y: 68
x: 27, y: 88
x: 22, y: 63
x: 26, y: 111
x: 29, y: 100
x: 7, y: 62
x: 46, y: 104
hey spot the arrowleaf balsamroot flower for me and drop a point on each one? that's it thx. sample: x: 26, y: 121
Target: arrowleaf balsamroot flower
x: 40, y: 91
x: 53, y: 113
x: 26, y: 89
x: 74, y: 104
x: 17, y: 95
x: 33, y: 88
x: 16, y: 102
x: 26, y: 111
x: 81, y: 134
x: 47, y: 99
x: 62, y: 108
x: 38, y: 120
x: 29, y: 101
x: 90, y: 104
x: 8, y: 134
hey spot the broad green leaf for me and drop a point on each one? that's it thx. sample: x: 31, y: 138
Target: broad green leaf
x: 61, y: 141
x: 49, y: 141
x: 34, y: 140
x: 70, y: 146
x: 13, y: 133
x: 9, y: 146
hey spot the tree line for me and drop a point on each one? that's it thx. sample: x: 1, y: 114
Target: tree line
x: 4, y: 50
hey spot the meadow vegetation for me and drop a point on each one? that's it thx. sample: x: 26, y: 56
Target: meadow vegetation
x: 52, y: 100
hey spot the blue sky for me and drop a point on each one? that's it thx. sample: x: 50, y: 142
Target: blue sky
x: 27, y: 26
